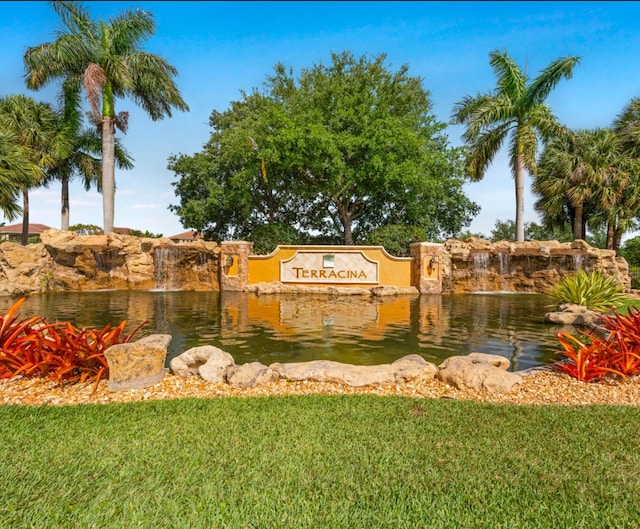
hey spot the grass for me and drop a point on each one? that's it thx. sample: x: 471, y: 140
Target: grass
x: 319, y: 462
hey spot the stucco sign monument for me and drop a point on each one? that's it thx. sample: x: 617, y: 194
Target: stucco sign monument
x: 318, y: 266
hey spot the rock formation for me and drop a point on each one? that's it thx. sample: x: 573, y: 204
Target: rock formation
x: 476, y: 265
x: 66, y: 261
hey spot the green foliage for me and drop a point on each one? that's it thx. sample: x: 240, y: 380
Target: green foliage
x: 268, y: 236
x: 106, y: 60
x: 630, y: 250
x: 396, y: 239
x: 585, y: 179
x: 86, y: 229
x: 506, y: 231
x: 593, y: 290
x: 466, y: 234
x: 146, y: 233
x: 515, y: 112
x: 613, y: 350
x: 338, y: 151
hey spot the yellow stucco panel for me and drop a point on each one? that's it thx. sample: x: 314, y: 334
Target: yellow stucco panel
x: 345, y: 266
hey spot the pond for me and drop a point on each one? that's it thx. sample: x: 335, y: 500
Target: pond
x: 287, y: 328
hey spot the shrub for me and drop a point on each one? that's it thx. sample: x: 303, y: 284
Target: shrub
x: 396, y: 238
x: 593, y: 290
x: 614, y: 349
x: 58, y: 351
x: 630, y: 250
x: 268, y: 236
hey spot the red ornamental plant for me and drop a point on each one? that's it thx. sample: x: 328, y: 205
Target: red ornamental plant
x: 614, y: 349
x: 57, y: 351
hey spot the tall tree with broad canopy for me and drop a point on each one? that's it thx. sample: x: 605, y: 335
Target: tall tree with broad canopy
x: 338, y: 151
x: 106, y: 59
x: 515, y: 109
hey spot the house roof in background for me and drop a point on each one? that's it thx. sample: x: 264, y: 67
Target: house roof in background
x: 187, y: 236
x: 34, y: 229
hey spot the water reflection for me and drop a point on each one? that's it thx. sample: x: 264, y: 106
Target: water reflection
x: 350, y: 329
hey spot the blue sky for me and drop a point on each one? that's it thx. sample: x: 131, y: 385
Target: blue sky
x: 221, y: 48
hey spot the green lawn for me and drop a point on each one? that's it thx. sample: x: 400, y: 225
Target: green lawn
x: 319, y: 462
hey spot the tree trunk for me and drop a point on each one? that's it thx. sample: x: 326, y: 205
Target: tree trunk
x: 25, y: 218
x: 345, y: 220
x: 520, y: 172
x: 611, y: 232
x: 108, y: 174
x: 64, y: 213
x: 617, y: 240
x: 578, y: 225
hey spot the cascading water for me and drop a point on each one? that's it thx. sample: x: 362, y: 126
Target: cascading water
x: 505, y: 262
x: 164, y: 262
x: 578, y: 262
x: 481, y: 269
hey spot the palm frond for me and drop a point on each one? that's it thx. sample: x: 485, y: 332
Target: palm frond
x: 512, y: 82
x: 543, y: 84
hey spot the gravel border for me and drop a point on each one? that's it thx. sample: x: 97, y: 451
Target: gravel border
x: 538, y: 387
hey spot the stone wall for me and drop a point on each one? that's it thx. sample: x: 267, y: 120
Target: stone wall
x: 66, y: 261
x: 477, y: 265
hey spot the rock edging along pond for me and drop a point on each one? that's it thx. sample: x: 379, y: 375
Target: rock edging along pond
x: 140, y: 364
x: 65, y: 261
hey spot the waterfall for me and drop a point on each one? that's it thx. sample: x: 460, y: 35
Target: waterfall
x: 164, y: 262
x: 504, y: 270
x: 578, y: 262
x: 481, y: 269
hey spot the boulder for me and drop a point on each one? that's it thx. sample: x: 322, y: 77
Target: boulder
x: 413, y: 368
x: 570, y: 314
x: 402, y: 370
x: 206, y: 361
x: 479, y: 372
x: 137, y: 365
x: 251, y: 374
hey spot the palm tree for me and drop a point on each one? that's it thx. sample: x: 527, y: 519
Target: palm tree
x: 581, y: 173
x: 15, y: 169
x: 627, y: 126
x: 515, y: 108
x: 33, y: 124
x: 106, y: 59
x: 82, y: 157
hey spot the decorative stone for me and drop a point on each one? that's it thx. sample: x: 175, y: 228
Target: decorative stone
x: 401, y: 370
x: 570, y: 314
x: 413, y: 368
x: 251, y: 374
x: 477, y: 373
x: 494, y: 360
x: 137, y: 365
x: 205, y: 361
x: 215, y: 369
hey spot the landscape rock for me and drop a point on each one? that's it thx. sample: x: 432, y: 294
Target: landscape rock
x: 137, y: 365
x: 479, y: 373
x: 402, y: 370
x: 413, y: 368
x: 570, y: 314
x: 206, y: 361
x: 215, y: 369
x: 251, y: 374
